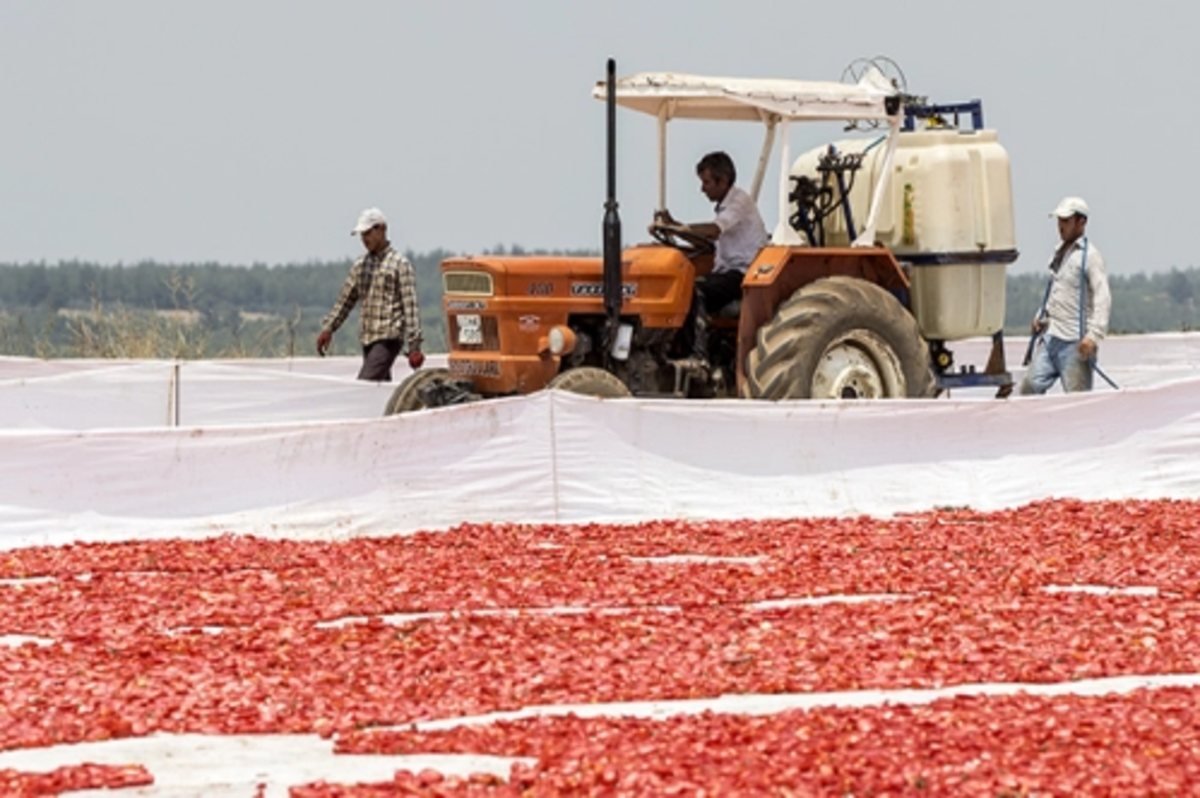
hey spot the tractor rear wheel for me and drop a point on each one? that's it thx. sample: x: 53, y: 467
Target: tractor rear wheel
x: 840, y: 338
x: 407, y: 398
x: 590, y: 381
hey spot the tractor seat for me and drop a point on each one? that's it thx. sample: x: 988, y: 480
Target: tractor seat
x: 731, y: 310
x: 728, y: 315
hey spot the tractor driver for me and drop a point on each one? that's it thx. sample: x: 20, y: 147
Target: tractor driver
x: 738, y: 233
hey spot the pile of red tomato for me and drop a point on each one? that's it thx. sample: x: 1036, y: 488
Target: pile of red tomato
x: 356, y: 640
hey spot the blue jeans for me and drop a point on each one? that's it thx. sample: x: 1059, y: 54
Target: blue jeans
x: 1055, y: 359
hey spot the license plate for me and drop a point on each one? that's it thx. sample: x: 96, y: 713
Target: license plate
x: 470, y: 329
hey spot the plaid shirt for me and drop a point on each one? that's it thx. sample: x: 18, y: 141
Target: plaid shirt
x: 385, y: 288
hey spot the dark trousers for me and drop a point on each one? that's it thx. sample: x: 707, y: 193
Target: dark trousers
x: 713, y: 292
x: 378, y: 357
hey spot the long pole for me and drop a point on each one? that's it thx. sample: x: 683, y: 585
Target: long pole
x: 612, y: 219
x: 173, y: 397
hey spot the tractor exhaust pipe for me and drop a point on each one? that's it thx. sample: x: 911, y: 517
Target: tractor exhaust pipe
x: 612, y: 219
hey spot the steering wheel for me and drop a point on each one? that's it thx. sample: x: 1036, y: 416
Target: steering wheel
x: 683, y: 239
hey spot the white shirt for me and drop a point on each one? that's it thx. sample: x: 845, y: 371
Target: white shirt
x: 743, y: 233
x: 1062, y: 306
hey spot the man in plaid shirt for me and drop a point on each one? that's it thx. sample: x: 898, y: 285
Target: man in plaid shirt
x: 382, y: 283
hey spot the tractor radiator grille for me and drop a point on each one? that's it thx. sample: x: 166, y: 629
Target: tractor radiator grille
x: 473, y: 283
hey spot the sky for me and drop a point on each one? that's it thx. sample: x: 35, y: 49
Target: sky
x: 254, y: 131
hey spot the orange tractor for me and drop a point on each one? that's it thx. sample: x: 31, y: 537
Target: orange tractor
x: 829, y: 310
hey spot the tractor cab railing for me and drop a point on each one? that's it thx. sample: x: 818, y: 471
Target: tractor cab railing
x: 936, y: 115
x: 872, y: 99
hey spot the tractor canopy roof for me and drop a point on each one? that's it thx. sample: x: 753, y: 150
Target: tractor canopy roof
x: 775, y: 104
x: 678, y: 96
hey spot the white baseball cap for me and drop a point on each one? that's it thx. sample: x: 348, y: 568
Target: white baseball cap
x: 368, y: 219
x: 1069, y: 207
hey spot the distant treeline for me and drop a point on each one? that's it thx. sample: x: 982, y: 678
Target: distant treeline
x: 1141, y: 303
x: 73, y: 309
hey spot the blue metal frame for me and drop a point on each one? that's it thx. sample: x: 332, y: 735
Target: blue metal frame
x: 974, y: 108
x: 956, y: 258
x: 968, y: 377
x: 974, y: 379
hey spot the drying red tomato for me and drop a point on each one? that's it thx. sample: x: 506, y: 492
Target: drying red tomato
x: 235, y: 635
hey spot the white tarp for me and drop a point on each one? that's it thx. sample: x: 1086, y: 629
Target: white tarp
x: 103, y: 394
x: 285, y: 480
x: 555, y: 457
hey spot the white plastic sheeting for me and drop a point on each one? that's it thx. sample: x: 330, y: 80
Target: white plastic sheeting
x: 103, y: 394
x: 555, y: 457
x: 283, y: 480
x: 876, y: 458
x: 106, y: 394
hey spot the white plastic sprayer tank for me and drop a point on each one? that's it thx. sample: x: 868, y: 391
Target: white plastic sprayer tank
x: 947, y: 213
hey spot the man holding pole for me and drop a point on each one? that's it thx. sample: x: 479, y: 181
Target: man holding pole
x: 1073, y: 318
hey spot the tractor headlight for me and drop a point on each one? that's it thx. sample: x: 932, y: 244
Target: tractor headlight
x: 561, y: 340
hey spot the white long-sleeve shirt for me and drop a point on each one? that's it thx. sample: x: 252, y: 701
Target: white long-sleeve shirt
x: 743, y: 233
x: 1062, y: 306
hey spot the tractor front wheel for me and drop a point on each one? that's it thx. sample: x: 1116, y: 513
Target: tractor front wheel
x: 407, y: 398
x: 590, y: 381
x: 840, y: 338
